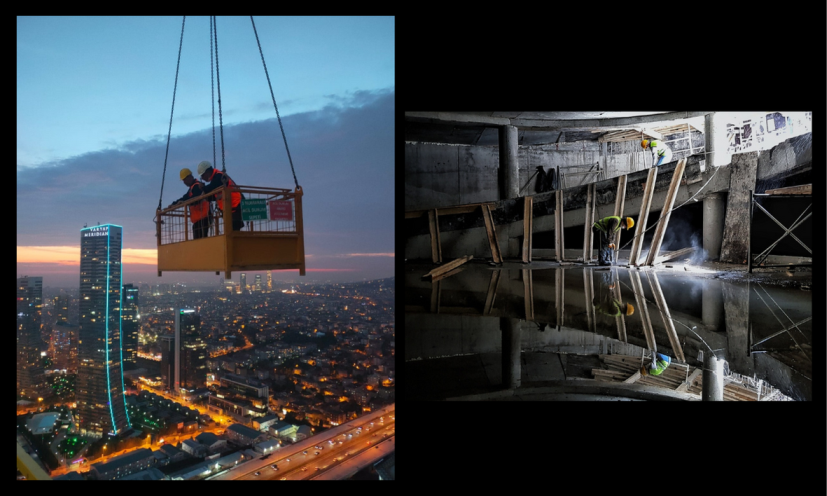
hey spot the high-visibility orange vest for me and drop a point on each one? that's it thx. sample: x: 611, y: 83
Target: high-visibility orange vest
x: 199, y: 210
x: 235, y: 195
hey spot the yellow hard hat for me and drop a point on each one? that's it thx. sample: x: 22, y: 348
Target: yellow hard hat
x: 185, y: 172
x: 629, y: 309
x: 630, y: 222
x: 644, y: 143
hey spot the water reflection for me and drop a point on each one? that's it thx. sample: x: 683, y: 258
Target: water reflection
x: 763, y: 332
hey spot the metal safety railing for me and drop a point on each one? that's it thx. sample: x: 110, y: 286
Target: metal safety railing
x: 281, y: 209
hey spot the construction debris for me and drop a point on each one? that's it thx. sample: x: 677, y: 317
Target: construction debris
x: 442, y: 269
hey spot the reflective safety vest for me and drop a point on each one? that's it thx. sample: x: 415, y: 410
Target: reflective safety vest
x: 604, y: 223
x: 199, y: 210
x: 658, y: 148
x: 235, y: 195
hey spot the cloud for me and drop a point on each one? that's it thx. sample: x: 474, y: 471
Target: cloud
x: 343, y: 157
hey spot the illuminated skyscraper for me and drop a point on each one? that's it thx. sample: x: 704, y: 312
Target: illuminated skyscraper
x: 101, y: 406
x: 129, y: 326
x: 168, y: 361
x: 30, y: 377
x: 269, y: 281
x: 61, y: 308
x: 243, y: 282
x: 258, y: 283
x: 192, y: 351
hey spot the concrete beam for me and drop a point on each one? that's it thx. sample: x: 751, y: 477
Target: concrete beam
x: 457, y: 118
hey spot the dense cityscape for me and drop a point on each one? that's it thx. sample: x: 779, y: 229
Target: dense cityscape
x: 169, y: 382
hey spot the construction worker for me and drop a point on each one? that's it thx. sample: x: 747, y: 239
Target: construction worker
x: 215, y: 179
x: 605, y: 301
x: 199, y: 211
x: 658, y: 365
x: 660, y: 152
x: 607, y: 227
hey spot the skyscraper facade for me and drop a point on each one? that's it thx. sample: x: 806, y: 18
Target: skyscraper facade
x: 243, y: 282
x: 258, y: 283
x: 269, y: 281
x: 130, y: 323
x: 30, y: 376
x: 101, y: 406
x: 61, y: 308
x: 169, y: 367
x: 192, y: 351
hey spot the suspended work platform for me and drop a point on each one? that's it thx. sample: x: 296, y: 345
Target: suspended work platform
x: 273, y: 241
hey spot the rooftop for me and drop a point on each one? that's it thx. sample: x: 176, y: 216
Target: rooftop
x: 122, y: 460
x: 244, y: 430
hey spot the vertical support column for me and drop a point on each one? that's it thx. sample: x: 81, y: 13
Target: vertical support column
x: 713, y: 224
x: 528, y: 228
x: 620, y: 202
x: 716, y: 152
x: 660, y: 231
x: 587, y: 225
x: 491, y: 230
x: 558, y: 297
x: 588, y: 292
x: 645, y: 202
x: 528, y: 294
x: 712, y: 305
x: 558, y: 225
x: 637, y: 287
x: 509, y: 169
x: 713, y: 384
x: 749, y: 232
x: 436, y: 246
x: 511, y: 352
x: 667, y: 318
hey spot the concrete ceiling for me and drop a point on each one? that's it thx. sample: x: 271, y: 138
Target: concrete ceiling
x: 533, y: 128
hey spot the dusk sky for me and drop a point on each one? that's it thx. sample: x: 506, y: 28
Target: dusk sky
x: 93, y: 107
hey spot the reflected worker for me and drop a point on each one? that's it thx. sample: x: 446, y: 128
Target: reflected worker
x: 607, y: 227
x: 658, y: 365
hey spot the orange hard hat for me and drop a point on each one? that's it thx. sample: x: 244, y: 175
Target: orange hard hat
x: 644, y: 143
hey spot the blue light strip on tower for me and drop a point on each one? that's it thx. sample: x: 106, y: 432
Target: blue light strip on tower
x: 123, y: 388
x: 108, y: 387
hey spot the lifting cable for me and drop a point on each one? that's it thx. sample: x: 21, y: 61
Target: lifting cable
x: 212, y: 89
x: 180, y: 44
x: 218, y: 78
x: 274, y: 102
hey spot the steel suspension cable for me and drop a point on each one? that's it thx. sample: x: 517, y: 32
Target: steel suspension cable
x: 212, y: 89
x: 218, y: 78
x: 274, y: 103
x: 175, y: 88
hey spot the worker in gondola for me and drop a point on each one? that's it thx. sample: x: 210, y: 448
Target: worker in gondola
x: 660, y: 152
x: 199, y: 211
x: 658, y: 365
x: 607, y: 227
x: 215, y: 179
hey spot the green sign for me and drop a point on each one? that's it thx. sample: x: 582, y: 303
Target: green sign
x: 253, y: 209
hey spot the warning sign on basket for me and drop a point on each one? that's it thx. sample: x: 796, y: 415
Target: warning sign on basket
x: 281, y: 210
x: 253, y: 210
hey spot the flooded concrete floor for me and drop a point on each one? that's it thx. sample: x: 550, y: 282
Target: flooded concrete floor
x: 760, y: 323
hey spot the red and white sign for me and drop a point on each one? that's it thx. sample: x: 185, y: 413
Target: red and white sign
x: 281, y: 210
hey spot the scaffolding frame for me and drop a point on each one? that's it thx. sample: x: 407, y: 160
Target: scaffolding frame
x: 787, y: 231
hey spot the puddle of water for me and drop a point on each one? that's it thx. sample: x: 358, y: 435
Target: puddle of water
x: 678, y: 314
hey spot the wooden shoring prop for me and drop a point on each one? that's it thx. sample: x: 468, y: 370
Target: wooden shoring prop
x: 558, y: 225
x: 492, y: 292
x: 528, y: 294
x: 587, y: 224
x: 645, y: 202
x: 558, y: 297
x: 667, y: 318
x: 620, y: 320
x: 491, y: 231
x: 637, y: 287
x: 620, y: 201
x: 660, y: 231
x: 436, y: 247
x: 528, y: 228
x: 442, y: 269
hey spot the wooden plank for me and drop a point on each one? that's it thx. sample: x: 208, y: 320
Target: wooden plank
x: 637, y: 287
x: 685, y: 385
x: 672, y: 255
x: 633, y: 379
x: 493, y: 284
x: 587, y: 292
x: 646, y: 201
x: 436, y: 246
x: 657, y: 239
x: 447, y: 274
x: 620, y: 201
x: 491, y: 231
x: 528, y: 228
x: 528, y: 294
x: 804, y: 189
x: 587, y: 224
x: 559, y: 295
x: 448, y: 266
x: 620, y: 320
x: 667, y: 318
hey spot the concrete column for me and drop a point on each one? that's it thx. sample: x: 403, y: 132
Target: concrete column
x: 511, y: 352
x: 509, y: 167
x: 713, y: 230
x: 713, y: 386
x: 712, y: 305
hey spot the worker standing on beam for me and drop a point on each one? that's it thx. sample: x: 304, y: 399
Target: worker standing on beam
x: 658, y: 365
x: 607, y: 227
x: 660, y: 152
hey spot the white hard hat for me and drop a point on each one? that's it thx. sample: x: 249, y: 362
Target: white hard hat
x: 203, y: 166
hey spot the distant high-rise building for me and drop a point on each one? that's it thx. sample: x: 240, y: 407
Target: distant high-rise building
x: 30, y: 376
x: 168, y: 363
x: 229, y: 285
x: 61, y: 308
x: 243, y: 282
x: 191, y: 349
x: 258, y: 283
x: 129, y: 326
x: 269, y: 281
x: 65, y: 344
x: 101, y: 405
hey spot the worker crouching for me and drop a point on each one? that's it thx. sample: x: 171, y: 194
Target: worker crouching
x: 658, y: 365
x: 607, y: 227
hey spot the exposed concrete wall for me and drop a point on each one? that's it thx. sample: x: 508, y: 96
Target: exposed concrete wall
x: 735, y: 243
x: 736, y: 310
